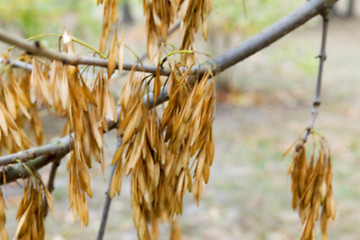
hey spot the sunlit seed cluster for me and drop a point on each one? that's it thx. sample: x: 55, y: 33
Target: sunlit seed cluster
x: 166, y: 155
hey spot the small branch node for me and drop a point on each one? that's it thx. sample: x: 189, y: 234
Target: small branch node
x: 316, y: 103
x: 37, y: 44
x: 321, y: 57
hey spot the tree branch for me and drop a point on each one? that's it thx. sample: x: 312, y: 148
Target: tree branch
x: 58, y: 148
x: 234, y: 55
x: 261, y: 40
x: 322, y: 58
x: 269, y: 35
x: 50, y: 152
x: 37, y: 49
x: 16, y: 171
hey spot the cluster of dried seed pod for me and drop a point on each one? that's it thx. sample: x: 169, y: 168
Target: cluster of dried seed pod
x: 88, y: 143
x: 197, y: 11
x: 166, y: 156
x: 73, y: 99
x: 61, y: 88
x: 31, y: 210
x: 21, y: 95
x: 110, y: 7
x: 14, y: 107
x: 311, y: 186
x: 161, y: 14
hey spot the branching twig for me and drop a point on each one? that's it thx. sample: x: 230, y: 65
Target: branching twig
x: 16, y: 171
x: 127, y: 66
x: 106, y: 208
x: 40, y: 155
x: 234, y: 55
x: 37, y: 49
x: 256, y: 43
x: 322, y: 58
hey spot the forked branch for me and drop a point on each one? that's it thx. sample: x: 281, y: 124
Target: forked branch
x: 38, y: 157
x: 223, y: 61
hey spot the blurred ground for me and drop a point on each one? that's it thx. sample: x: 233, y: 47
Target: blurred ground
x: 248, y: 196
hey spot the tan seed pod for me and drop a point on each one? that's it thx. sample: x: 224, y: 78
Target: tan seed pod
x: 3, y: 123
x: 309, y: 193
x: 112, y: 55
x: 330, y: 206
x: 323, y: 222
x: 9, y: 101
x: 175, y: 231
x: 157, y: 83
x: 133, y: 123
x: 308, y: 228
x: 206, y: 172
x: 84, y: 179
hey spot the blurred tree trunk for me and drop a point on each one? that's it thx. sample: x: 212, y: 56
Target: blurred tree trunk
x: 127, y: 17
x: 350, y: 10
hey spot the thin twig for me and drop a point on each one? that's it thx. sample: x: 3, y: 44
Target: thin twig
x: 17, y: 64
x: 106, y: 208
x: 234, y: 55
x: 108, y: 199
x: 222, y: 62
x: 170, y: 32
x: 322, y: 58
x: 50, y: 184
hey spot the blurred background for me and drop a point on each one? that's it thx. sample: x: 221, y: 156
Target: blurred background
x: 263, y: 105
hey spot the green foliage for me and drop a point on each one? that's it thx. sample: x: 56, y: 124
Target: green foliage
x: 249, y: 16
x: 33, y: 17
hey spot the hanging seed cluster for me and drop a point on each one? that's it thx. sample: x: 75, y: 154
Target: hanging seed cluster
x: 60, y: 88
x: 311, y: 187
x: 166, y: 155
x: 86, y: 111
x: 197, y: 11
x: 161, y: 14
x: 116, y: 52
x: 109, y: 16
x: 14, y: 107
x: 31, y: 210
